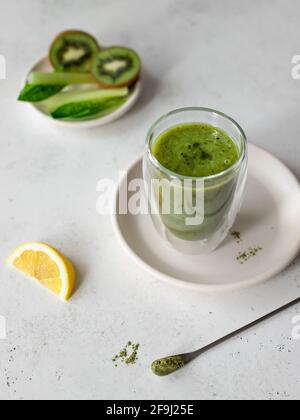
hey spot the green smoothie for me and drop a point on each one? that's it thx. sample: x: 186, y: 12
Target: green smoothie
x: 195, y: 150
x: 198, y: 150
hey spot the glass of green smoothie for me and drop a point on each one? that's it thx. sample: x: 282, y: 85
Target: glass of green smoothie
x: 195, y: 169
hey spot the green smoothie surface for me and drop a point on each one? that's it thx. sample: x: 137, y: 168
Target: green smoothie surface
x: 195, y: 150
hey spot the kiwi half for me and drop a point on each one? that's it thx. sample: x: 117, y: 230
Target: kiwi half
x: 116, y: 67
x: 73, y: 51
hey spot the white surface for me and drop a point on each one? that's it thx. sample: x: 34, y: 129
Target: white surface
x: 273, y: 225
x: 44, y: 65
x: 234, y: 56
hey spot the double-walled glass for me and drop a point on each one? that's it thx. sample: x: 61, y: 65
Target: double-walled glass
x: 194, y: 215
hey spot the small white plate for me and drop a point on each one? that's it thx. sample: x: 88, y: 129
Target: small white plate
x: 44, y: 65
x: 270, y: 218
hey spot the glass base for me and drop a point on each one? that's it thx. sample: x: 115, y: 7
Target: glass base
x: 197, y: 247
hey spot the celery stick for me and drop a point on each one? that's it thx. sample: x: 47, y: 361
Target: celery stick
x: 77, y: 96
x: 55, y: 78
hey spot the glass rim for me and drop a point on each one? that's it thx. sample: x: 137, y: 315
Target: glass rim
x: 174, y: 175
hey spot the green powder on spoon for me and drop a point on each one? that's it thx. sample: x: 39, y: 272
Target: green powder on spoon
x: 168, y: 365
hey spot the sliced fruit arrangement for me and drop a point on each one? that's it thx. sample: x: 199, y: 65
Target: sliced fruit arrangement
x: 47, y: 266
x: 116, y: 67
x: 87, y: 82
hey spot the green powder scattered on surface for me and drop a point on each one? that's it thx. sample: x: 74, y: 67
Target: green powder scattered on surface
x: 128, y: 355
x: 168, y: 365
x: 237, y: 236
x: 245, y: 256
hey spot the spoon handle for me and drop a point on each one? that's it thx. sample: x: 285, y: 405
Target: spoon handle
x: 191, y: 356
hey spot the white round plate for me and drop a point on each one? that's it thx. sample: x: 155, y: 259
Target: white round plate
x: 270, y: 219
x: 44, y: 65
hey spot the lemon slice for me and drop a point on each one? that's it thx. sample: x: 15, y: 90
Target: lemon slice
x: 46, y: 265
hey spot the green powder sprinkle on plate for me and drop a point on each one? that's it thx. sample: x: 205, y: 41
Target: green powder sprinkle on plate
x: 245, y: 256
x: 237, y: 236
x: 128, y: 355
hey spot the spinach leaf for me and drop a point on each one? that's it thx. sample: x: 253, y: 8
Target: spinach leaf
x: 38, y: 93
x: 87, y: 109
